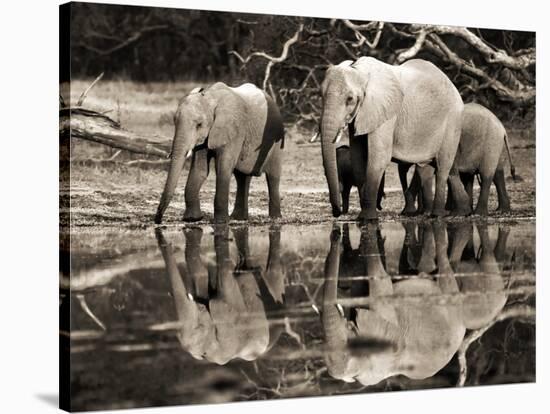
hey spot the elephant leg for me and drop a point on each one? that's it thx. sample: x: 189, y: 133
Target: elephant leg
x: 241, y: 240
x: 483, y: 201
x: 449, y: 205
x: 425, y: 188
x: 198, y: 173
x: 224, y: 168
x: 274, y: 196
x: 426, y: 263
x: 446, y: 169
x: 346, y: 188
x: 500, y: 184
x: 409, y: 191
x: 358, y: 155
x: 468, y: 181
x: 381, y: 193
x: 502, y: 241
x: 379, y: 156
x: 240, y: 210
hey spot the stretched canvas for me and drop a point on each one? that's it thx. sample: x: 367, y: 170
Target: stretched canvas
x: 266, y: 206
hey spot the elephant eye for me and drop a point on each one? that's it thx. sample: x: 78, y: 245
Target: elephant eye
x: 199, y: 125
x: 349, y: 100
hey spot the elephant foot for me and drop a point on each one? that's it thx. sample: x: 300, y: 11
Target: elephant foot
x: 221, y: 219
x: 503, y: 210
x: 239, y: 215
x: 366, y: 216
x: 336, y: 212
x: 481, y: 211
x: 191, y: 217
x: 409, y: 210
x: 275, y: 213
x: 438, y: 213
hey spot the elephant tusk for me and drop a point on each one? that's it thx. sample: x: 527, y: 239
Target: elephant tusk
x: 315, y: 308
x: 190, y: 296
x: 189, y: 154
x: 340, y: 309
x: 338, y: 137
x: 314, y: 137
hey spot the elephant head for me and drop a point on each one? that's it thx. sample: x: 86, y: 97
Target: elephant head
x: 213, y: 117
x: 367, y: 93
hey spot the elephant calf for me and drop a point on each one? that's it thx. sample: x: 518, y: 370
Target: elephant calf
x: 480, y: 151
x: 242, y: 130
x: 347, y: 180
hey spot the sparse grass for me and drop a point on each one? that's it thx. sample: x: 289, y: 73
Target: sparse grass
x: 119, y: 195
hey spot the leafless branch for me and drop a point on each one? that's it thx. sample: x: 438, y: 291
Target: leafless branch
x: 361, y: 39
x: 272, y: 60
x: 414, y: 49
x: 85, y: 93
x: 491, y: 54
x: 525, y: 95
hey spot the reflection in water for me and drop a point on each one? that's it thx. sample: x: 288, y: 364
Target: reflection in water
x: 222, y: 308
x: 421, y: 335
x: 223, y: 313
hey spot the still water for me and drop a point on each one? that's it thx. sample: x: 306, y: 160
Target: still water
x: 216, y: 314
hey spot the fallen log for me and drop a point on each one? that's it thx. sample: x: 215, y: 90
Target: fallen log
x: 94, y: 126
x: 78, y: 122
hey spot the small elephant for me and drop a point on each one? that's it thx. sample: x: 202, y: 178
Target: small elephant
x: 242, y: 130
x: 481, y: 151
x: 347, y: 180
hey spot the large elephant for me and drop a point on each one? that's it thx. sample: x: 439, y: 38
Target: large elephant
x: 410, y: 326
x: 411, y: 113
x: 242, y: 130
x: 222, y: 306
x: 480, y: 151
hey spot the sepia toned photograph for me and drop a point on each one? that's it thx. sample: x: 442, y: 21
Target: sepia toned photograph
x: 259, y: 207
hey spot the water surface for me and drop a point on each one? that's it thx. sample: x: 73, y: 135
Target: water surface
x: 229, y: 313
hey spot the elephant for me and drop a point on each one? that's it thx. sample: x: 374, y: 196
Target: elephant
x: 409, y: 113
x: 242, y: 130
x: 402, y: 326
x: 346, y: 179
x: 480, y: 151
x: 222, y: 307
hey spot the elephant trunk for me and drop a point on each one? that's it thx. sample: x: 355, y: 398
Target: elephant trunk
x: 334, y: 324
x: 329, y: 130
x: 176, y: 166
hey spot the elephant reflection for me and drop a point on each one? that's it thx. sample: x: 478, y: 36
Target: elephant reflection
x: 411, y: 326
x: 222, y: 306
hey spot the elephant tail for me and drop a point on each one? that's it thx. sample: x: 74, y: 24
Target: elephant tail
x: 512, y: 167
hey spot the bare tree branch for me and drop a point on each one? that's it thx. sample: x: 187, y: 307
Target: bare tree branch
x: 525, y: 95
x: 414, y: 49
x: 361, y: 39
x: 491, y: 54
x: 272, y: 60
x: 85, y: 93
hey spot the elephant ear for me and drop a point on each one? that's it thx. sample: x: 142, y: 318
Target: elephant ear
x: 230, y: 118
x: 383, y: 95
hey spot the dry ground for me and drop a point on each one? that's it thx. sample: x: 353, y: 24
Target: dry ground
x: 114, y: 194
